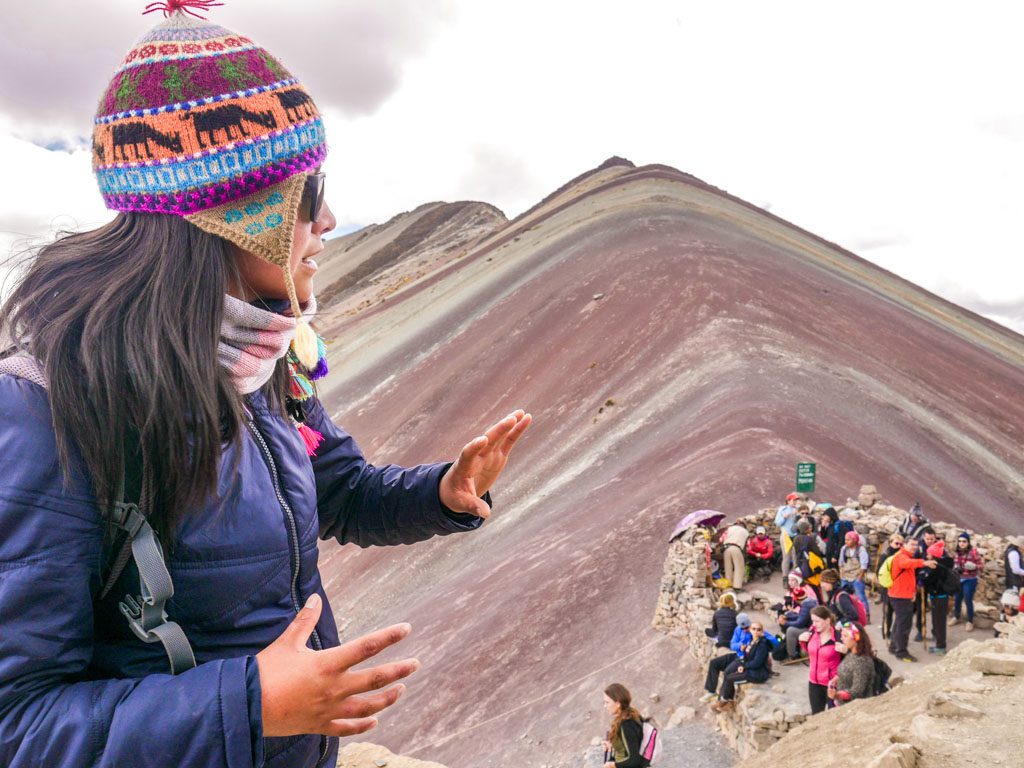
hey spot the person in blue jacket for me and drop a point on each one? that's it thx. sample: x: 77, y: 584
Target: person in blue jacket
x: 166, y: 468
x: 755, y: 667
x: 741, y: 638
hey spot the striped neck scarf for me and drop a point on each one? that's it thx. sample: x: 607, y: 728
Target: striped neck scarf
x: 252, y: 340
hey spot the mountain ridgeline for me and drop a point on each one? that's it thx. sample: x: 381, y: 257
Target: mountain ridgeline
x: 679, y: 349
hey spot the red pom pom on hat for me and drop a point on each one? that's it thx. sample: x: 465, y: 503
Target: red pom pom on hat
x: 184, y: 6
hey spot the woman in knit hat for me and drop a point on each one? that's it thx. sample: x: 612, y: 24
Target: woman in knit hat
x: 167, y: 465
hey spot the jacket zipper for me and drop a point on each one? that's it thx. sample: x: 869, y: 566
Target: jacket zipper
x: 293, y: 540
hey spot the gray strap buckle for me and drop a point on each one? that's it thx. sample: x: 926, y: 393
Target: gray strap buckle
x: 146, y: 613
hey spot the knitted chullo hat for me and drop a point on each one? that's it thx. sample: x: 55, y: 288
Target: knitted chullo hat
x: 202, y: 123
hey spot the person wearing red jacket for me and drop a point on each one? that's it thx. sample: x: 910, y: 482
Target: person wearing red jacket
x: 901, y: 596
x: 760, y: 553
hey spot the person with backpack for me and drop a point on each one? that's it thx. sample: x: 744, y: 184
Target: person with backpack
x: 833, y: 533
x: 853, y: 564
x: 723, y: 621
x: 885, y: 558
x: 825, y: 652
x: 969, y: 565
x: 902, y: 592
x: 921, y: 604
x: 795, y: 622
x: 1013, y: 564
x: 162, y: 438
x: 623, y: 745
x: 785, y: 521
x: 855, y: 677
x: 755, y: 667
x: 809, y: 554
x: 845, y: 606
x: 939, y: 583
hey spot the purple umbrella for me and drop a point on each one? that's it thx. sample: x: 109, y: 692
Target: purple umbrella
x: 704, y: 517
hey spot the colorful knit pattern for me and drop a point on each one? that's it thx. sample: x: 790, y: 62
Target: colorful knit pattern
x: 196, y: 117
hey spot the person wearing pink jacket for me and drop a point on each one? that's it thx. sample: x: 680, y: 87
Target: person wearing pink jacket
x: 825, y: 652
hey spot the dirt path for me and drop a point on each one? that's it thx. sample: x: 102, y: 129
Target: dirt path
x: 690, y: 745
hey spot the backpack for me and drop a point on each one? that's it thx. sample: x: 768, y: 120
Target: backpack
x: 133, y: 539
x: 950, y: 582
x: 650, y: 744
x: 858, y: 606
x: 882, y: 674
x: 885, y: 573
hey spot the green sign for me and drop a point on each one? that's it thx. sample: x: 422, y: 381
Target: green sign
x: 805, y: 472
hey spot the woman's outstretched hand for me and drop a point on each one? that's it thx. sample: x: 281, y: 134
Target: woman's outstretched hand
x: 479, y: 465
x: 306, y: 691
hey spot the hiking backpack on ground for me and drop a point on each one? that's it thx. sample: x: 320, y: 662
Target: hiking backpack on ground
x: 650, y: 744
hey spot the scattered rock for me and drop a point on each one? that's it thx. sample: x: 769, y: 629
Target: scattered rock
x: 946, y: 705
x: 999, y: 663
x: 966, y: 685
x: 681, y: 715
x: 597, y: 296
x: 655, y: 697
x: 896, y: 756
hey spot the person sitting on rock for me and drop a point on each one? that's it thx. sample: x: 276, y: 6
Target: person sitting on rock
x: 741, y: 638
x: 760, y: 554
x: 855, y: 678
x: 825, y: 653
x: 841, y: 601
x: 939, y: 583
x: 793, y: 623
x: 723, y: 621
x: 853, y: 564
x: 969, y: 566
x: 755, y: 667
x: 623, y: 743
x: 733, y: 542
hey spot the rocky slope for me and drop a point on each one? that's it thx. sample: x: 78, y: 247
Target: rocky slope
x: 679, y: 349
x: 964, y: 711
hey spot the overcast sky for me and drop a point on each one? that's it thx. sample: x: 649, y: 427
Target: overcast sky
x: 893, y: 129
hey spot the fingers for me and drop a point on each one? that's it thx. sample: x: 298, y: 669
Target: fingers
x: 366, y: 647
x: 375, y: 678
x: 516, y: 432
x: 363, y: 707
x: 349, y: 727
x: 497, y: 432
x: 302, y: 626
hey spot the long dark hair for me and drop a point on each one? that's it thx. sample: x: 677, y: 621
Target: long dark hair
x: 620, y: 694
x: 125, y: 320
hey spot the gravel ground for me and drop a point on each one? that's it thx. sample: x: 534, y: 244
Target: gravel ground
x: 690, y: 745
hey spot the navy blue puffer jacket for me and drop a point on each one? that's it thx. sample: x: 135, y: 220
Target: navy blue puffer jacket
x: 78, y: 689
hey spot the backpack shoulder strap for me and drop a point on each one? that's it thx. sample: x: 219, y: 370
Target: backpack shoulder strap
x: 146, y: 613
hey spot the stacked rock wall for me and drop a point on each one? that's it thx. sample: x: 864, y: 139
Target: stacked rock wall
x: 687, y: 601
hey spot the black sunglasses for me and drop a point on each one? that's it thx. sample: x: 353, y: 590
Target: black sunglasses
x: 313, y: 195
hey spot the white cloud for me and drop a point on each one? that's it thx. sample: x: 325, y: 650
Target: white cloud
x: 891, y: 129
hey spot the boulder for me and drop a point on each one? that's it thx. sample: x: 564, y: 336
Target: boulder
x: 868, y: 496
x: 681, y: 715
x: 999, y: 663
x: 896, y: 756
x: 947, y: 705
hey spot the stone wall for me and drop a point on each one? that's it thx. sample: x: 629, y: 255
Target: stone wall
x: 687, y: 601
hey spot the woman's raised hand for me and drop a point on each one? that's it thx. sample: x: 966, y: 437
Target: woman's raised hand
x: 479, y: 465
x: 307, y: 691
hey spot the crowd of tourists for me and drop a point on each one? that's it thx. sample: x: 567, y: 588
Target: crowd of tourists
x: 822, y: 619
